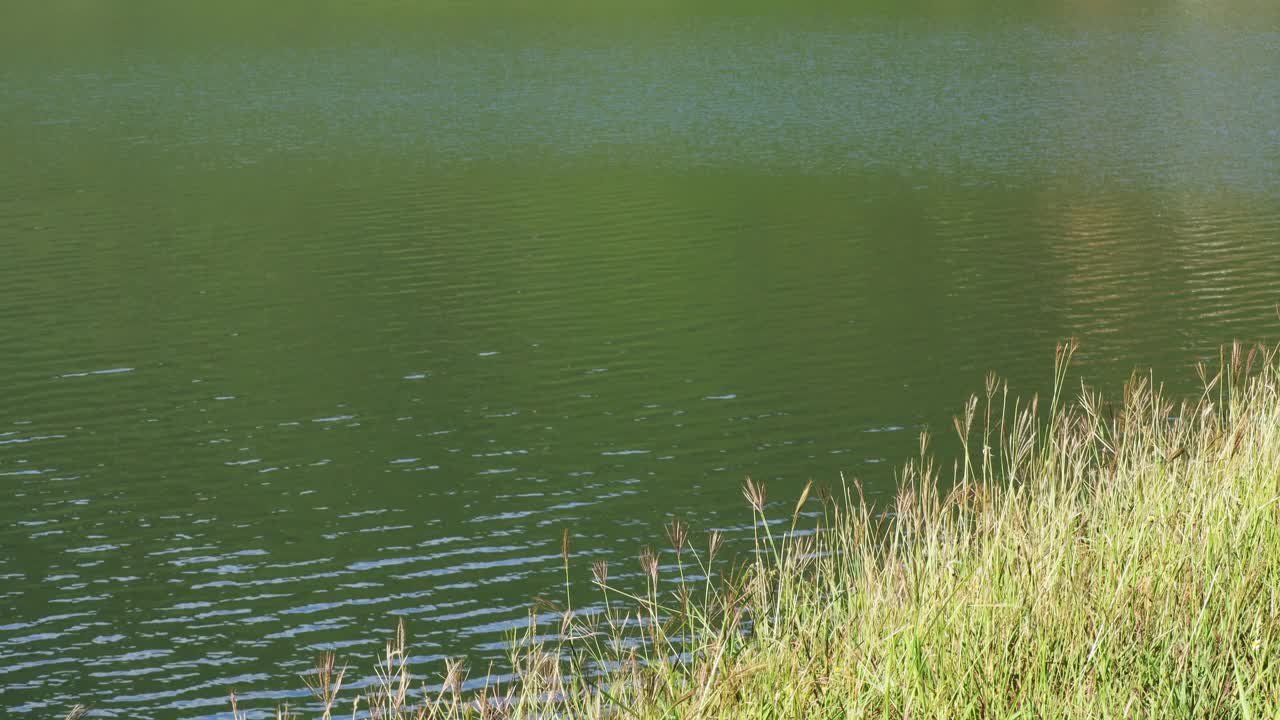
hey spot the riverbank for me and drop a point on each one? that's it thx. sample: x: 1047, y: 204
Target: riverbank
x: 1108, y: 561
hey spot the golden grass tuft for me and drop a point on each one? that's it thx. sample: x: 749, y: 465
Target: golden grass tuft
x: 1100, y: 561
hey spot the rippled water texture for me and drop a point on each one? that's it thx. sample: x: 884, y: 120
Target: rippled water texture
x: 313, y: 318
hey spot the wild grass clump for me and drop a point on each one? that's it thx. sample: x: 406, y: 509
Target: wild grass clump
x: 1088, y: 560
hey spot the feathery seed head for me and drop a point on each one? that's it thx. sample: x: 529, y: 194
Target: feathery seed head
x: 754, y: 492
x: 677, y: 533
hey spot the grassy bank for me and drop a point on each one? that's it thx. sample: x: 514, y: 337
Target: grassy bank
x: 1089, y: 560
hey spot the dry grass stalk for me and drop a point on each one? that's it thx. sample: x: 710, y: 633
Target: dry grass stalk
x: 1096, y: 561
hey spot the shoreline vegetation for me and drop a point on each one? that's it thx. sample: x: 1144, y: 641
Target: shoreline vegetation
x: 1087, y: 560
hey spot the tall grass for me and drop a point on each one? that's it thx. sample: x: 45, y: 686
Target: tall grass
x: 1087, y: 560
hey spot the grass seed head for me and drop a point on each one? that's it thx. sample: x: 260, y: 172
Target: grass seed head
x: 600, y: 572
x: 677, y: 533
x: 754, y: 492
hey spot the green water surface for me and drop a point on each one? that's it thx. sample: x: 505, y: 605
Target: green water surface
x: 319, y: 315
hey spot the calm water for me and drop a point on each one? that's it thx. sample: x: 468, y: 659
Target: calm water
x: 323, y: 317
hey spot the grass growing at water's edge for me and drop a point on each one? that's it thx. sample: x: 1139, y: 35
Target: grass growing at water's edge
x: 1110, y: 561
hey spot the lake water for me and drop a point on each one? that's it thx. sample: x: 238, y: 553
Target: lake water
x: 322, y: 315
